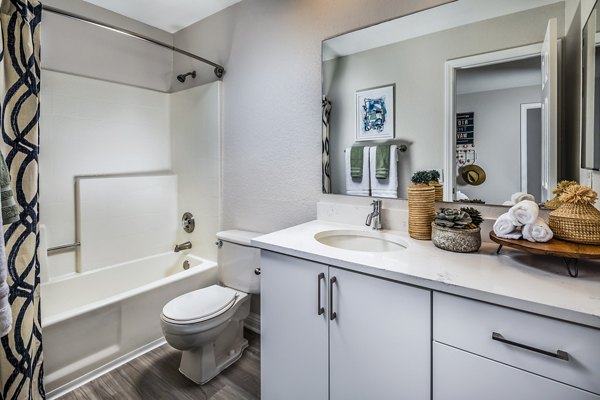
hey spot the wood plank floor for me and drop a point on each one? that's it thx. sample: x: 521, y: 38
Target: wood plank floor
x: 155, y: 376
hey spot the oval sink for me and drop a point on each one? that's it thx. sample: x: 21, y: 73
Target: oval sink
x: 360, y: 240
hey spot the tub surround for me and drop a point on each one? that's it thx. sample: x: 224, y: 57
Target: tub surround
x: 531, y: 283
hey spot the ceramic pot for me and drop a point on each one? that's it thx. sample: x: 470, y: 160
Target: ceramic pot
x: 456, y: 240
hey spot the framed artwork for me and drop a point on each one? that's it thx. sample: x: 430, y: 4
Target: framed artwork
x: 375, y: 113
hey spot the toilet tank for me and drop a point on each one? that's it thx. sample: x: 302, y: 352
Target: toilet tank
x: 237, y: 260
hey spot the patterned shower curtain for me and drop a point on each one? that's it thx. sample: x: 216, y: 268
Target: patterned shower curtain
x: 21, y: 375
x: 326, y: 179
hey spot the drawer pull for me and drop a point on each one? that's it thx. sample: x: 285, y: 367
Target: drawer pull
x: 332, y: 314
x: 320, y: 308
x: 562, y: 355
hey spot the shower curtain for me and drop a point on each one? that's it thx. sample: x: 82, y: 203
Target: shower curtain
x: 21, y: 375
x: 326, y: 177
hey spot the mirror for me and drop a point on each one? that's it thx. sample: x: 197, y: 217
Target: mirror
x: 441, y: 75
x: 590, y: 107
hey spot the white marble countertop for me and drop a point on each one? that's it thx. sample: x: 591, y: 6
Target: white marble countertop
x: 514, y: 279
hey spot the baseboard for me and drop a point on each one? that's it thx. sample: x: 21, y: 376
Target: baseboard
x: 252, y: 322
x: 90, y: 376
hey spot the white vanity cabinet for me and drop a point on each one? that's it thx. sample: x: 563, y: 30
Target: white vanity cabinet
x: 328, y: 333
x: 487, y: 351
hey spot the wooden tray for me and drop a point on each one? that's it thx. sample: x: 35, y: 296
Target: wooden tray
x: 570, y: 252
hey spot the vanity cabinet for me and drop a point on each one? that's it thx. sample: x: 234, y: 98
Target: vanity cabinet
x: 488, y: 351
x: 328, y: 333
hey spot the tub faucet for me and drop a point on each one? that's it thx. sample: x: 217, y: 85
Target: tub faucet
x: 375, y: 216
x: 183, y: 246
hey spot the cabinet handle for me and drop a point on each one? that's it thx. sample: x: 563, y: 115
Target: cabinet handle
x: 332, y: 314
x: 562, y: 355
x: 320, y: 308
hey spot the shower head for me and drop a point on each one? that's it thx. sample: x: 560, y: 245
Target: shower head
x: 181, y: 78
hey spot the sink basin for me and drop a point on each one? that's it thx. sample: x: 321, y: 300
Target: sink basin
x: 360, y: 240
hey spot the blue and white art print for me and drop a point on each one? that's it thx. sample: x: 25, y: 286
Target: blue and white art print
x: 375, y: 113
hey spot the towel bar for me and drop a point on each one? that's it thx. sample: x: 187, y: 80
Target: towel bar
x: 63, y: 247
x: 401, y: 148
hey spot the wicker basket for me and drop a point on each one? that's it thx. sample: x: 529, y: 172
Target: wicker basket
x: 421, y: 211
x: 439, y: 190
x: 579, y: 223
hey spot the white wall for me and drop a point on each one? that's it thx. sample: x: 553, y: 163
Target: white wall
x: 91, y: 127
x: 196, y: 153
x: 497, y: 139
x: 272, y: 99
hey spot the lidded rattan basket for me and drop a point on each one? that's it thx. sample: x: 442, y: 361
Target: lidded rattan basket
x: 439, y: 190
x: 421, y: 211
x: 576, y: 220
x: 554, y: 203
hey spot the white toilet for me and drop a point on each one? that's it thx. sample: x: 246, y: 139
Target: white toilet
x: 208, y: 324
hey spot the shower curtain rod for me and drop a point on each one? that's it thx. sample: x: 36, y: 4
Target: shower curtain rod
x: 219, y: 70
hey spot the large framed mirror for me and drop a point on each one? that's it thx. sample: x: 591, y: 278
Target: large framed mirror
x: 590, y: 85
x: 475, y: 98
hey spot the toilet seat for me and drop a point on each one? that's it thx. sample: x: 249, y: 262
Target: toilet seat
x: 199, y: 305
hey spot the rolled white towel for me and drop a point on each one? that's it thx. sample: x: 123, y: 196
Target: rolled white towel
x: 506, y: 227
x: 518, y: 197
x: 539, y: 231
x: 524, y: 212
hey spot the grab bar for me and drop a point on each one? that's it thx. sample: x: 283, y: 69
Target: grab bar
x: 63, y: 247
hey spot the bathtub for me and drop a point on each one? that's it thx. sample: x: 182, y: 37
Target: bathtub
x: 95, y: 321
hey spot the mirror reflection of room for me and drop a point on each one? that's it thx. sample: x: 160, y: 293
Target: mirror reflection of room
x: 443, y: 62
x: 504, y: 103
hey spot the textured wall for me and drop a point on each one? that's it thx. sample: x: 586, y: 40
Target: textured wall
x: 272, y: 99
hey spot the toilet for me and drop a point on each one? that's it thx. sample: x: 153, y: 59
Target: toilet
x: 207, y: 324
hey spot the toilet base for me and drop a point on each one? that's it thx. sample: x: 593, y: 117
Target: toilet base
x: 202, y: 364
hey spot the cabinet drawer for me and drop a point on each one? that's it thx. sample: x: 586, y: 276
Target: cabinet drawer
x: 461, y: 375
x: 470, y: 325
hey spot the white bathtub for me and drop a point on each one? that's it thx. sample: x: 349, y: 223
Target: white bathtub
x: 97, y: 320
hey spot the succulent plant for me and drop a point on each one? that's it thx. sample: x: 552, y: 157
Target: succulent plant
x: 453, y: 218
x: 476, y: 218
x: 435, y: 175
x: 421, y: 177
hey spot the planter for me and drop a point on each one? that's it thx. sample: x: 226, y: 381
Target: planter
x: 439, y: 190
x: 456, y: 240
x: 421, y: 211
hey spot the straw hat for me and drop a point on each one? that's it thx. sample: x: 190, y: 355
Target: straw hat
x: 472, y: 174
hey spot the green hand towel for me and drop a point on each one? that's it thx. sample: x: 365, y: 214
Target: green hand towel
x: 356, y: 161
x: 382, y: 161
x: 10, y: 211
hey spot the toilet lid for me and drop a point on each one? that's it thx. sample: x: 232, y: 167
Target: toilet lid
x: 200, y: 305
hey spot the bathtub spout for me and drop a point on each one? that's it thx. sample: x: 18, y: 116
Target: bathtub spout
x: 183, y: 246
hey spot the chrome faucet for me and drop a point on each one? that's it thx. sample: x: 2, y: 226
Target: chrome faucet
x: 183, y: 246
x: 375, y: 216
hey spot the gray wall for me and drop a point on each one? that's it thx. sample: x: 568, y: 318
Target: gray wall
x: 497, y: 139
x: 272, y: 99
x: 83, y: 49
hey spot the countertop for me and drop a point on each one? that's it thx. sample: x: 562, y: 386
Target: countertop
x: 536, y: 284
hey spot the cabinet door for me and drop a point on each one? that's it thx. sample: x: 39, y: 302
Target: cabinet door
x: 294, y: 348
x: 380, y: 339
x: 461, y: 375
